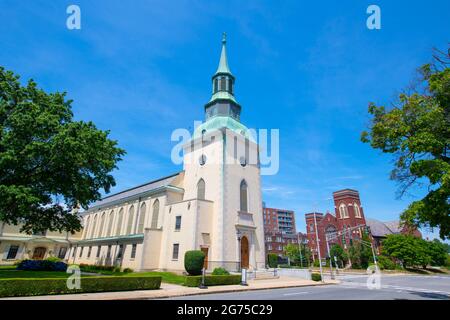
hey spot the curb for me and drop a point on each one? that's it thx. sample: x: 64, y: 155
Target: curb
x: 225, y: 291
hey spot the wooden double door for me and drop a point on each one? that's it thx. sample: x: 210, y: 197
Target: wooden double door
x: 244, y: 253
x: 39, y: 253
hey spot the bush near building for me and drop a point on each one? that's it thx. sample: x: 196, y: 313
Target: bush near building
x: 42, y: 265
x: 213, y: 280
x: 193, y: 262
x: 35, y: 287
x: 316, y: 277
x: 220, y: 272
x: 386, y: 263
x: 272, y: 259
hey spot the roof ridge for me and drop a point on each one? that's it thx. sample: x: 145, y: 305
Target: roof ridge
x: 141, y: 185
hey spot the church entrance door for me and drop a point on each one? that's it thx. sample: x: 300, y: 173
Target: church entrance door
x: 244, y: 253
x: 39, y: 253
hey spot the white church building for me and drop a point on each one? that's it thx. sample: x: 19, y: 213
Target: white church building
x: 213, y: 205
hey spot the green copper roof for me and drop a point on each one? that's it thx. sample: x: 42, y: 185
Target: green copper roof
x: 218, y: 122
x: 223, y: 63
x: 222, y: 95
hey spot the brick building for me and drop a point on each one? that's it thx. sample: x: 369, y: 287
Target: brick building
x: 279, y: 230
x: 349, y: 215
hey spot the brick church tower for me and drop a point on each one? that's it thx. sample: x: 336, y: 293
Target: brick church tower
x: 348, y: 214
x: 349, y: 211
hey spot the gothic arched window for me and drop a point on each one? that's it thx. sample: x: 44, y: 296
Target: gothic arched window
x: 130, y: 220
x: 94, y: 224
x: 119, y: 222
x: 223, y: 83
x: 102, y: 225
x: 155, y: 214
x: 243, y: 196
x: 86, y: 228
x: 343, y: 211
x: 357, y: 211
x: 110, y: 223
x: 201, y: 189
x: 142, y: 218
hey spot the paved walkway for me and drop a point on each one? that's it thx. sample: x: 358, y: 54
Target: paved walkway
x: 172, y: 290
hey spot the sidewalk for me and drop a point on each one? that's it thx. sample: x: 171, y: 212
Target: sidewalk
x: 172, y: 290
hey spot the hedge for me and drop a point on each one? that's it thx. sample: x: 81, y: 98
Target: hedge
x: 40, y: 286
x: 42, y: 265
x: 194, y: 281
x: 94, y: 268
x: 316, y: 277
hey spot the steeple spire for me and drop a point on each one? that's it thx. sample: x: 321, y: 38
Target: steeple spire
x: 223, y: 63
x: 222, y: 102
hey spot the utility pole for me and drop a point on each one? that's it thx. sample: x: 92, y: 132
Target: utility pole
x: 300, y: 251
x: 329, y: 255
x: 317, y: 247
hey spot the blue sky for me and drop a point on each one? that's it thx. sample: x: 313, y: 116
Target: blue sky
x: 308, y: 68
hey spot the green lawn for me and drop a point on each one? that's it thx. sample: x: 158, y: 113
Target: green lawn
x: 8, y: 267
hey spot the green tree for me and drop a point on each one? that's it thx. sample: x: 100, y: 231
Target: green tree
x: 49, y: 163
x: 292, y: 252
x: 338, y: 252
x: 360, y: 254
x: 437, y: 252
x: 417, y: 131
x: 409, y: 250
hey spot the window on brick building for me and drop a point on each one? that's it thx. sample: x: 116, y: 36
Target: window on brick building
x: 357, y: 211
x: 343, y: 211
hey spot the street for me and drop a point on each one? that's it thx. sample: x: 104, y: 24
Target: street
x: 352, y: 287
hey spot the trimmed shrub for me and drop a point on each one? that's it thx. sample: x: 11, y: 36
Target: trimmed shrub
x: 193, y: 262
x: 127, y: 270
x: 95, y: 268
x: 41, y: 265
x: 194, y: 281
x: 53, y: 259
x: 40, y: 286
x: 220, y: 272
x: 272, y: 259
x: 316, y: 277
x: 385, y: 263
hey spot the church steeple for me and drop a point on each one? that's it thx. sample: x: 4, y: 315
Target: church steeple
x: 222, y: 102
x: 223, y: 63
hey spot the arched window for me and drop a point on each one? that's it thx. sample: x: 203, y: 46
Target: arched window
x: 94, y: 224
x: 142, y: 218
x: 155, y: 214
x: 343, y: 211
x: 243, y: 196
x: 86, y: 228
x: 110, y: 223
x: 230, y: 86
x: 223, y: 83
x: 357, y: 211
x: 216, y: 85
x: 130, y: 220
x: 201, y: 189
x: 119, y: 222
x: 102, y: 224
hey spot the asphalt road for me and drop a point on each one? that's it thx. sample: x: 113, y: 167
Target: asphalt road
x: 351, y: 288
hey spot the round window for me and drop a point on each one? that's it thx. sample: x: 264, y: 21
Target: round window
x: 243, y: 161
x: 202, y: 160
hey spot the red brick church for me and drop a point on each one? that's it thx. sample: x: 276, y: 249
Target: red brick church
x: 349, y: 222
